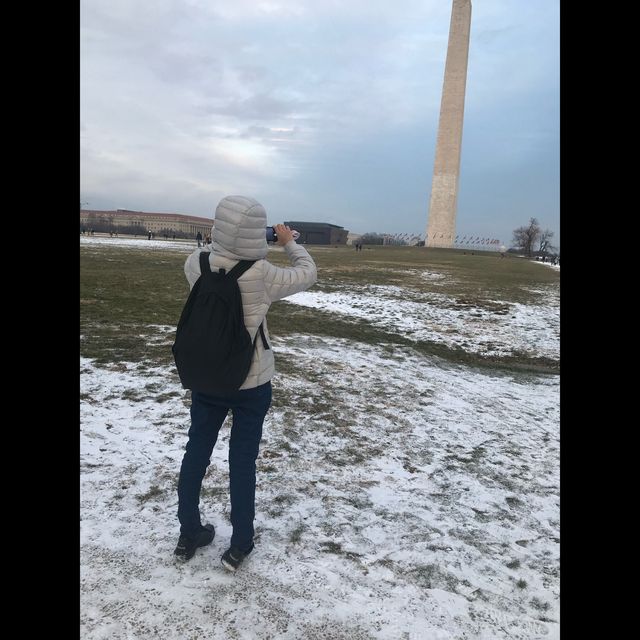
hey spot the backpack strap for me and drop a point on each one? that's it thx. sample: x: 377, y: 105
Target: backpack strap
x: 236, y: 272
x: 265, y: 344
x: 204, y: 262
x: 260, y: 331
x: 240, y: 268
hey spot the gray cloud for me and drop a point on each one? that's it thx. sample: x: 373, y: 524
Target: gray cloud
x: 325, y: 107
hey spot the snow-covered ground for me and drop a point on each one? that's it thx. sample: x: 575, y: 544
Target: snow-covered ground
x: 399, y: 497
x: 555, y: 267
x: 140, y: 243
x: 530, y: 329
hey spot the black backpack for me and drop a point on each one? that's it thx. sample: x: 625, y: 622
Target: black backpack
x: 213, y: 349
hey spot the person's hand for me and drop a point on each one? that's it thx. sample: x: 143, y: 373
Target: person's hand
x: 284, y: 234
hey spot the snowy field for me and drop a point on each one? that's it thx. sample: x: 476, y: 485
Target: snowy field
x: 432, y: 316
x: 399, y: 496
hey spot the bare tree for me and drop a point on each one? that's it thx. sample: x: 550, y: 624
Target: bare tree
x: 545, y: 244
x: 525, y: 237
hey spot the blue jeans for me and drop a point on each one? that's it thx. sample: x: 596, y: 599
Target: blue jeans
x: 249, y: 408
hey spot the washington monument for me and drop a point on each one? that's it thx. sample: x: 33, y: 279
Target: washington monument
x: 441, y: 223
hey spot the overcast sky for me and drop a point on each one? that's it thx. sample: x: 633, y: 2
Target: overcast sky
x: 321, y: 110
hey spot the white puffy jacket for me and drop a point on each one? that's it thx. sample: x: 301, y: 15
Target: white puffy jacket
x: 239, y: 234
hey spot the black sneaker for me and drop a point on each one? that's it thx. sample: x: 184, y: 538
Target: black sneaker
x: 232, y: 558
x: 187, y: 545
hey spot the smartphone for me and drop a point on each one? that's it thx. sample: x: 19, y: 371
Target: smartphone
x: 272, y: 236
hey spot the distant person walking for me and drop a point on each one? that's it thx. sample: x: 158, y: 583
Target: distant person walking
x: 238, y: 234
x: 149, y: 235
x: 199, y: 238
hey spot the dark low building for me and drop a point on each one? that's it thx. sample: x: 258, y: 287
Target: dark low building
x: 319, y: 232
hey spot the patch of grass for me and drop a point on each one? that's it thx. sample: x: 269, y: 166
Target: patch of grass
x: 388, y: 563
x: 478, y: 453
x: 431, y: 576
x: 513, y: 564
x: 131, y: 300
x: 336, y: 548
x: 539, y: 604
x: 458, y: 458
x: 286, y: 499
x: 361, y: 502
x: 290, y: 432
x: 153, y: 492
x: 168, y: 395
x: 269, y: 453
x: 407, y: 466
x: 214, y: 491
x: 350, y: 455
x: 482, y: 516
x: 296, y: 535
x: 469, y: 278
x: 502, y: 480
x: 134, y: 395
x: 331, y: 547
x: 280, y: 504
x: 474, y: 537
x: 521, y: 584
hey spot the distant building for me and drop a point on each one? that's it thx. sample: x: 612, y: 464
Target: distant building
x: 319, y: 232
x: 353, y: 238
x: 141, y: 222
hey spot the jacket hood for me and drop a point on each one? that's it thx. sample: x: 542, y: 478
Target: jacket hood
x: 239, y: 229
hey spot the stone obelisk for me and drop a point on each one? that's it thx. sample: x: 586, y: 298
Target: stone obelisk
x: 441, y: 224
